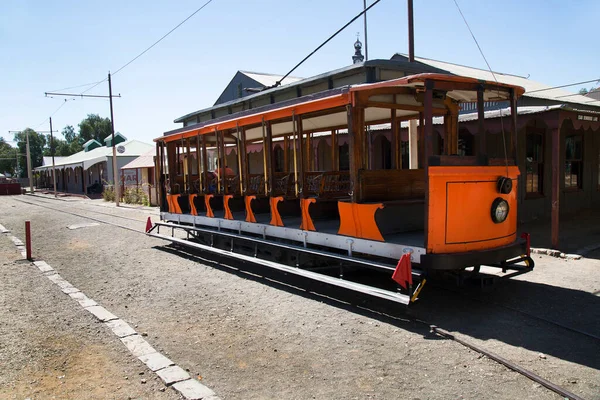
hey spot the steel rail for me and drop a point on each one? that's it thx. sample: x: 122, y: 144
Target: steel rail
x: 509, y: 364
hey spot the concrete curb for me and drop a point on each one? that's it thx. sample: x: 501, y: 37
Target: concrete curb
x: 558, y: 253
x: 172, y: 375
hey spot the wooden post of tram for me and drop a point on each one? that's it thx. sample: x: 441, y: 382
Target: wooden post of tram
x: 428, y: 149
x: 396, y: 140
x: 335, y: 162
x: 157, y: 169
x: 301, y: 174
x: 356, y: 142
x: 189, y: 165
x: 222, y: 173
x: 555, y: 216
x: 270, y: 158
x: 205, y: 186
x: 198, y: 169
x: 286, y: 154
x: 481, y: 122
x: 244, y: 167
x: 513, y: 125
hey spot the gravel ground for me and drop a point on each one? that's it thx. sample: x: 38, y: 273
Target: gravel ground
x: 252, y: 334
x: 50, y: 348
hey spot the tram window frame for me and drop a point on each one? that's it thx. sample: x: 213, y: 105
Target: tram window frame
x: 573, y: 159
x: 534, y: 163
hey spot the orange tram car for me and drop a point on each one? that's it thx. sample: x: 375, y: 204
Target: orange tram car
x: 277, y: 208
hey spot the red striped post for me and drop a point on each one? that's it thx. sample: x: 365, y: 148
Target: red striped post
x: 28, y: 239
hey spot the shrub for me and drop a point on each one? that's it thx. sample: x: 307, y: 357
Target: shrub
x: 108, y: 194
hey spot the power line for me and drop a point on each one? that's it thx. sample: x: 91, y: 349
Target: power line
x: 52, y: 115
x: 148, y: 48
x: 74, y: 87
x: 164, y: 36
x: 564, y: 86
x: 323, y: 44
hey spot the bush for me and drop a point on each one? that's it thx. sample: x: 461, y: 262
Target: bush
x: 108, y: 194
x: 135, y: 195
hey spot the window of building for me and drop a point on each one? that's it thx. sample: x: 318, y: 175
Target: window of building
x: 465, y: 143
x: 344, y: 154
x: 574, y: 162
x: 405, y: 159
x: 598, y: 169
x: 534, y: 163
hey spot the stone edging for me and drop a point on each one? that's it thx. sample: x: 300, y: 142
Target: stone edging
x: 171, y: 374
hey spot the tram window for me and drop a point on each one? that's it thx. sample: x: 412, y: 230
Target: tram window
x: 534, y: 163
x: 574, y: 162
x: 344, y: 157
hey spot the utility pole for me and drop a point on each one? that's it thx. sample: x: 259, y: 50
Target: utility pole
x: 53, y: 166
x: 29, y: 173
x: 411, y: 33
x: 112, y: 127
x: 114, y: 157
x: 366, y: 41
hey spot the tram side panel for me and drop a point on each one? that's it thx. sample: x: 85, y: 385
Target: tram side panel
x: 471, y: 220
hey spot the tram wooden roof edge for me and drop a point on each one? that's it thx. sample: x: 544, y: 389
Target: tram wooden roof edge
x: 330, y: 99
x: 489, y: 86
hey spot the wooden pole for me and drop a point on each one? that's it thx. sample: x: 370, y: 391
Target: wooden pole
x: 396, y: 140
x: 428, y: 150
x: 302, y: 158
x: 295, y: 132
x: 189, y: 166
x: 335, y: 164
x: 264, y: 145
x: 198, y: 169
x: 244, y: 161
x: 270, y: 158
x: 481, y: 123
x: 286, y: 153
x: 239, y: 157
x: 555, y: 218
x: 205, y: 185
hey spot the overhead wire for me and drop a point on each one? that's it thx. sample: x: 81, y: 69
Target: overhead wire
x: 563, y: 86
x: 323, y: 44
x: 151, y: 46
x: 494, y: 75
x: 95, y: 84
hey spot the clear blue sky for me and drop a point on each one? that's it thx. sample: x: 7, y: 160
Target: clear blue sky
x: 48, y: 45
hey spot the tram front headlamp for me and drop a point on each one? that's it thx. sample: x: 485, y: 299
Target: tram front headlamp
x: 499, y: 210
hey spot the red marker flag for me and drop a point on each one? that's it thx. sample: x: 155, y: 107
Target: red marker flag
x: 403, y: 272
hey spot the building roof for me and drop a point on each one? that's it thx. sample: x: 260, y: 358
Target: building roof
x: 48, y: 160
x: 87, y: 159
x: 532, y: 88
x: 267, y: 80
x: 146, y: 160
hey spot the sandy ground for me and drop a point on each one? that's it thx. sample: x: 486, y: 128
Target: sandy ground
x: 254, y: 334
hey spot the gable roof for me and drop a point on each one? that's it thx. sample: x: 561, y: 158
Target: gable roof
x: 267, y: 80
x: 532, y: 88
x: 87, y: 159
x: 146, y: 160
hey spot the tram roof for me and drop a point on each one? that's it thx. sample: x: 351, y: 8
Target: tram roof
x: 458, y: 88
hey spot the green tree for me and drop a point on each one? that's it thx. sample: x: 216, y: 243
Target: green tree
x: 37, y: 142
x: 7, y: 157
x: 583, y: 91
x: 94, y: 127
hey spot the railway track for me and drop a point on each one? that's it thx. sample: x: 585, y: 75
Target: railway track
x: 432, y: 327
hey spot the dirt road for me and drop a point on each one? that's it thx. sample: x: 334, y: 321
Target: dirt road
x: 254, y: 334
